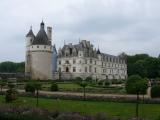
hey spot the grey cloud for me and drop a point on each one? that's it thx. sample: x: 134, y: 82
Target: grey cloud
x: 131, y: 26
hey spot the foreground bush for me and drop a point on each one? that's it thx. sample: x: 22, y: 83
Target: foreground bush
x: 155, y: 91
x: 54, y: 87
x: 25, y: 113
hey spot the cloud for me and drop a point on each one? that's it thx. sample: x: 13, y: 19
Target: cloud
x: 131, y: 26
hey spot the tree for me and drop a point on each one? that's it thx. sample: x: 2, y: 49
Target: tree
x: 140, y: 68
x: 11, y: 93
x: 12, y: 67
x: 54, y: 86
x: 30, y: 87
x: 83, y: 84
x: 136, y: 85
x: 38, y: 87
x: 89, y: 79
x: 155, y: 91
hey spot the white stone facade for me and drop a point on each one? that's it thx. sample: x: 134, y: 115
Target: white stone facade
x: 83, y: 61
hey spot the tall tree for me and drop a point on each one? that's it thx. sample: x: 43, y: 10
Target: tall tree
x: 12, y: 67
x: 136, y: 85
x: 83, y: 84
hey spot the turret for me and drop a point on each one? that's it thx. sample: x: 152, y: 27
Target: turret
x: 29, y: 37
x: 99, y: 54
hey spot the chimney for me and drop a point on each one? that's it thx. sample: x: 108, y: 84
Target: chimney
x: 49, y: 33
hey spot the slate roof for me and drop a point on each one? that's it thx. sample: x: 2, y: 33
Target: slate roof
x: 98, y: 51
x: 41, y: 37
x: 30, y: 33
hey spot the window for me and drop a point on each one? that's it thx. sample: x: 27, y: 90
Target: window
x: 90, y: 68
x: 85, y: 69
x: 90, y: 61
x: 95, y: 62
x: 85, y: 61
x: 44, y: 47
x: 80, y: 62
x: 59, y: 62
x: 74, y: 69
x: 37, y: 46
x: 95, y: 70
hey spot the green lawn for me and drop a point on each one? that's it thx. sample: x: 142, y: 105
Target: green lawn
x: 122, y: 110
x: 92, y: 89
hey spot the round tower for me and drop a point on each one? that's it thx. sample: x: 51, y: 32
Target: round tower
x: 41, y: 51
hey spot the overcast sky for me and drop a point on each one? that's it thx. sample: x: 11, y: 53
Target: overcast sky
x: 130, y: 26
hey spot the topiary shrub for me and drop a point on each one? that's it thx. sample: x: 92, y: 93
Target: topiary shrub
x: 155, y: 91
x: 106, y: 83
x: 100, y: 82
x: 30, y: 87
x: 54, y: 87
x: 11, y: 95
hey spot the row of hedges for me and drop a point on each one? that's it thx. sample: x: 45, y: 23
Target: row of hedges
x: 31, y: 87
x: 93, y: 98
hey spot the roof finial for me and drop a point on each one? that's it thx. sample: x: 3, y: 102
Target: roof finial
x: 79, y: 39
x: 42, y: 24
x: 31, y: 27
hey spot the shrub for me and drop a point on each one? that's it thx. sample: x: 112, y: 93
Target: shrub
x: 89, y: 79
x: 54, y: 87
x: 100, y: 82
x: 106, y: 83
x: 155, y: 91
x: 11, y: 95
x: 30, y: 87
x: 78, y: 79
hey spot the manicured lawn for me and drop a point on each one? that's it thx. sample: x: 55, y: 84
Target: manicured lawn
x: 73, y: 87
x: 122, y: 110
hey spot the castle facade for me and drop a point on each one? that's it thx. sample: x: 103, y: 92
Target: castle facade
x: 83, y: 60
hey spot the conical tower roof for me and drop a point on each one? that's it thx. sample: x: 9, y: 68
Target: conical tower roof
x: 41, y: 37
x: 30, y: 33
x: 98, y: 51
